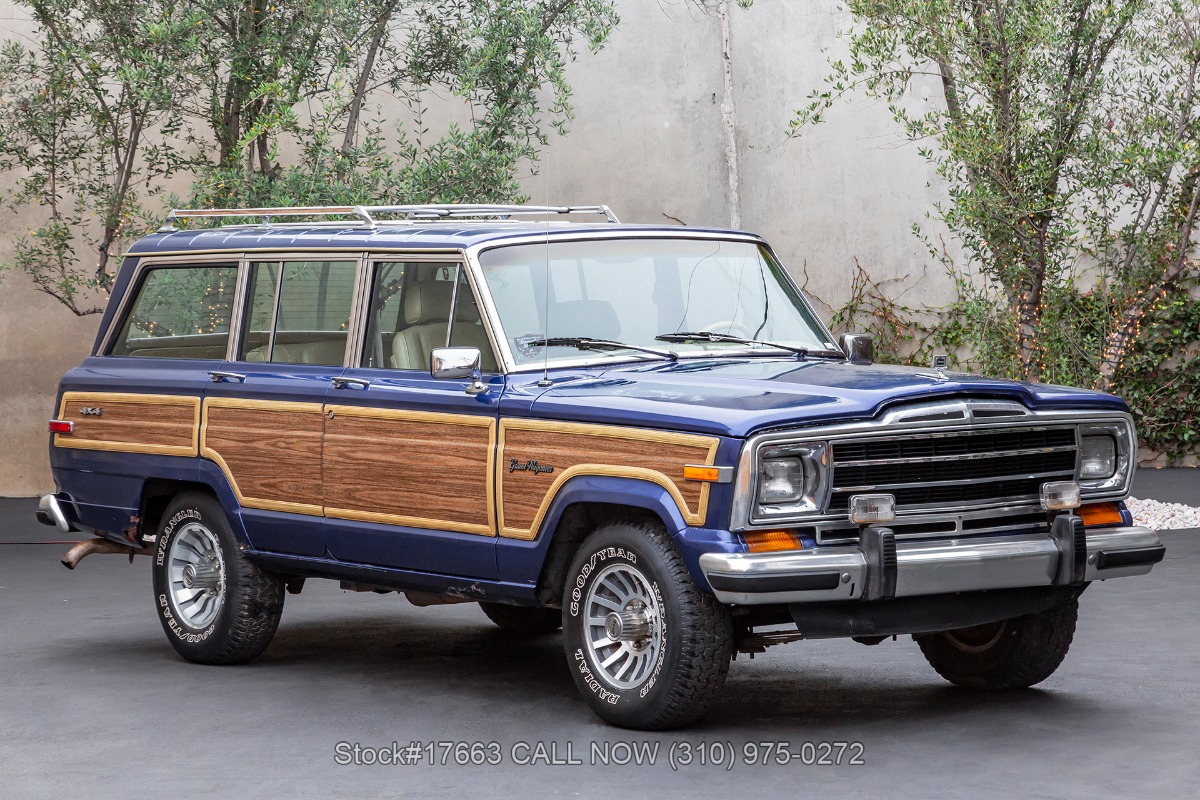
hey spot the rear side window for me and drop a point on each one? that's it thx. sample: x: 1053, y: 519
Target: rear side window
x: 298, y: 312
x: 179, y: 312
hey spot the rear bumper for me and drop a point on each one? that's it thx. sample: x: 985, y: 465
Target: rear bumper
x: 50, y: 512
x: 826, y: 574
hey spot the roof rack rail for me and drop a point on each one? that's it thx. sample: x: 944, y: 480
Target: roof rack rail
x: 366, y: 215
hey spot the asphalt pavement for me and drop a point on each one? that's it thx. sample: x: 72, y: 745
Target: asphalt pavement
x: 94, y: 702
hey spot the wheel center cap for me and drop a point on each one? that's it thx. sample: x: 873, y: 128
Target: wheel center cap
x: 201, y: 576
x: 629, y: 625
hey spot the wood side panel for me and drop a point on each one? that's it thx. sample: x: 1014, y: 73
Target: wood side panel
x: 270, y: 451
x: 409, y: 468
x: 574, y: 449
x: 131, y: 423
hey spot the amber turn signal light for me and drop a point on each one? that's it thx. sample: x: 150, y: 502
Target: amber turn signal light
x: 1100, y: 514
x: 771, y: 541
x: 707, y: 474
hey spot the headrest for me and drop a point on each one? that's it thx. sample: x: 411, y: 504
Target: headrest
x: 596, y: 319
x: 429, y: 301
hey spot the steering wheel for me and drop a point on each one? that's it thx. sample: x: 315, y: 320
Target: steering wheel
x: 731, y: 327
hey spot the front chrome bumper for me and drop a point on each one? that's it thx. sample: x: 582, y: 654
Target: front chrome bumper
x: 924, y: 567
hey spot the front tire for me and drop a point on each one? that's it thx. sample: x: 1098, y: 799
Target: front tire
x: 647, y: 649
x: 1011, y: 654
x: 215, y: 605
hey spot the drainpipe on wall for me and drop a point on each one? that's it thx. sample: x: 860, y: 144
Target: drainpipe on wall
x: 733, y: 197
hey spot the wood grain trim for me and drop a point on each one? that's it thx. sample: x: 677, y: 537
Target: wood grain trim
x: 243, y: 404
x: 707, y: 444
x: 176, y: 428
x: 430, y: 418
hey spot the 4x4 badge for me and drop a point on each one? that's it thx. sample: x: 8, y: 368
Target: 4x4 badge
x: 527, y: 466
x: 91, y: 411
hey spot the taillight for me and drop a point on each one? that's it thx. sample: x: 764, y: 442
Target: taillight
x: 62, y: 426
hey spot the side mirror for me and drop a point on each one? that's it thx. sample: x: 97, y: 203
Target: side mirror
x: 456, y: 363
x: 858, y: 347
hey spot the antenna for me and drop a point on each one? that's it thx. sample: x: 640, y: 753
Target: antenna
x: 545, y: 382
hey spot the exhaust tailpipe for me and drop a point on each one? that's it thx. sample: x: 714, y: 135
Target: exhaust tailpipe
x: 100, y: 545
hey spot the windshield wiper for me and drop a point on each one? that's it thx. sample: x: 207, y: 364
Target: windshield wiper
x: 584, y: 343
x: 713, y: 336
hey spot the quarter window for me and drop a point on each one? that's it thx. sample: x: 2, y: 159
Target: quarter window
x: 179, y: 312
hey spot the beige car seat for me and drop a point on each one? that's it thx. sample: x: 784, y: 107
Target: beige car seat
x: 426, y: 310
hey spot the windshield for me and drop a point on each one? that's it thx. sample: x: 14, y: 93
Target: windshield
x: 634, y: 290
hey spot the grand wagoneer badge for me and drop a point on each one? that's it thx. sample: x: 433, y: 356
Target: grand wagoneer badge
x: 528, y: 466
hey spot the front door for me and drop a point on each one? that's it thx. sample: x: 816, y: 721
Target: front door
x: 408, y: 460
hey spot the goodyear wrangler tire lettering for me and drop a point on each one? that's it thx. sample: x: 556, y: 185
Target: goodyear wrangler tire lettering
x: 648, y: 649
x: 215, y: 606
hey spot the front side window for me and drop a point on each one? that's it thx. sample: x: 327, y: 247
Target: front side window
x: 636, y: 290
x: 417, y: 307
x: 179, y: 312
x: 298, y: 312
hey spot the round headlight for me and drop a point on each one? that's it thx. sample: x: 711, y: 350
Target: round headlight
x: 1098, y: 458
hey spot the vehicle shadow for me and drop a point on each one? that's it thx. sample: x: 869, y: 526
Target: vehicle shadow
x: 469, y: 662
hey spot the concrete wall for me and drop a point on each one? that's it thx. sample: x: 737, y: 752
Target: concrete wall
x: 648, y: 139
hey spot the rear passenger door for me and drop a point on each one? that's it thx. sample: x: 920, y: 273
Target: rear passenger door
x: 263, y: 420
x: 407, y: 464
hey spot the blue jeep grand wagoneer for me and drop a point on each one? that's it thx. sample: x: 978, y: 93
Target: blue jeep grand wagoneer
x: 641, y: 435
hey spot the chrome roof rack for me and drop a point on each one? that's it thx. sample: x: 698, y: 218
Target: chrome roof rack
x: 367, y: 215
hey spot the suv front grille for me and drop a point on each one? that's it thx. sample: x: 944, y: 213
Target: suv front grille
x: 954, y: 470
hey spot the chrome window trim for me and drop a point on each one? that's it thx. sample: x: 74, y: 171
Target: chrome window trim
x: 356, y: 327
x: 889, y: 424
x: 158, y: 261
x: 239, y: 309
x: 492, y: 316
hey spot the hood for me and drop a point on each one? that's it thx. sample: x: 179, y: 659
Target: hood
x: 737, y: 397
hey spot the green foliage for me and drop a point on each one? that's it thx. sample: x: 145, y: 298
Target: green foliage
x: 1160, y: 376
x: 269, y: 102
x: 76, y: 111
x: 1068, y: 135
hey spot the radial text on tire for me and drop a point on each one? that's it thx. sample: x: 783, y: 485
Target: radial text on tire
x: 215, y: 606
x: 647, y: 648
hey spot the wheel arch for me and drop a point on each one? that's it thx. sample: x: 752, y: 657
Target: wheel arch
x: 585, y: 502
x: 157, y: 494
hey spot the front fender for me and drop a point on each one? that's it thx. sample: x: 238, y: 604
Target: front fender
x: 521, y: 561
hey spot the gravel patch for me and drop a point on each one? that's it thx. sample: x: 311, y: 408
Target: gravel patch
x: 1163, y: 516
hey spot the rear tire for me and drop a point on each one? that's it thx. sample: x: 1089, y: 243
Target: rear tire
x: 523, y: 619
x: 215, y: 605
x: 1011, y: 654
x: 673, y: 643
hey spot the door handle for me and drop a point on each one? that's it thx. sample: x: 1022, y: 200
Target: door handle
x: 224, y: 377
x: 343, y: 383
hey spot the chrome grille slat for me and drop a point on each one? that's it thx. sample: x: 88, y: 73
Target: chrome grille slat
x: 966, y: 468
x: 958, y: 482
x: 968, y: 457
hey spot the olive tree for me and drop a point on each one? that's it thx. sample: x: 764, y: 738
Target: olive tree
x: 1067, y: 133
x: 85, y: 115
x: 267, y: 102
